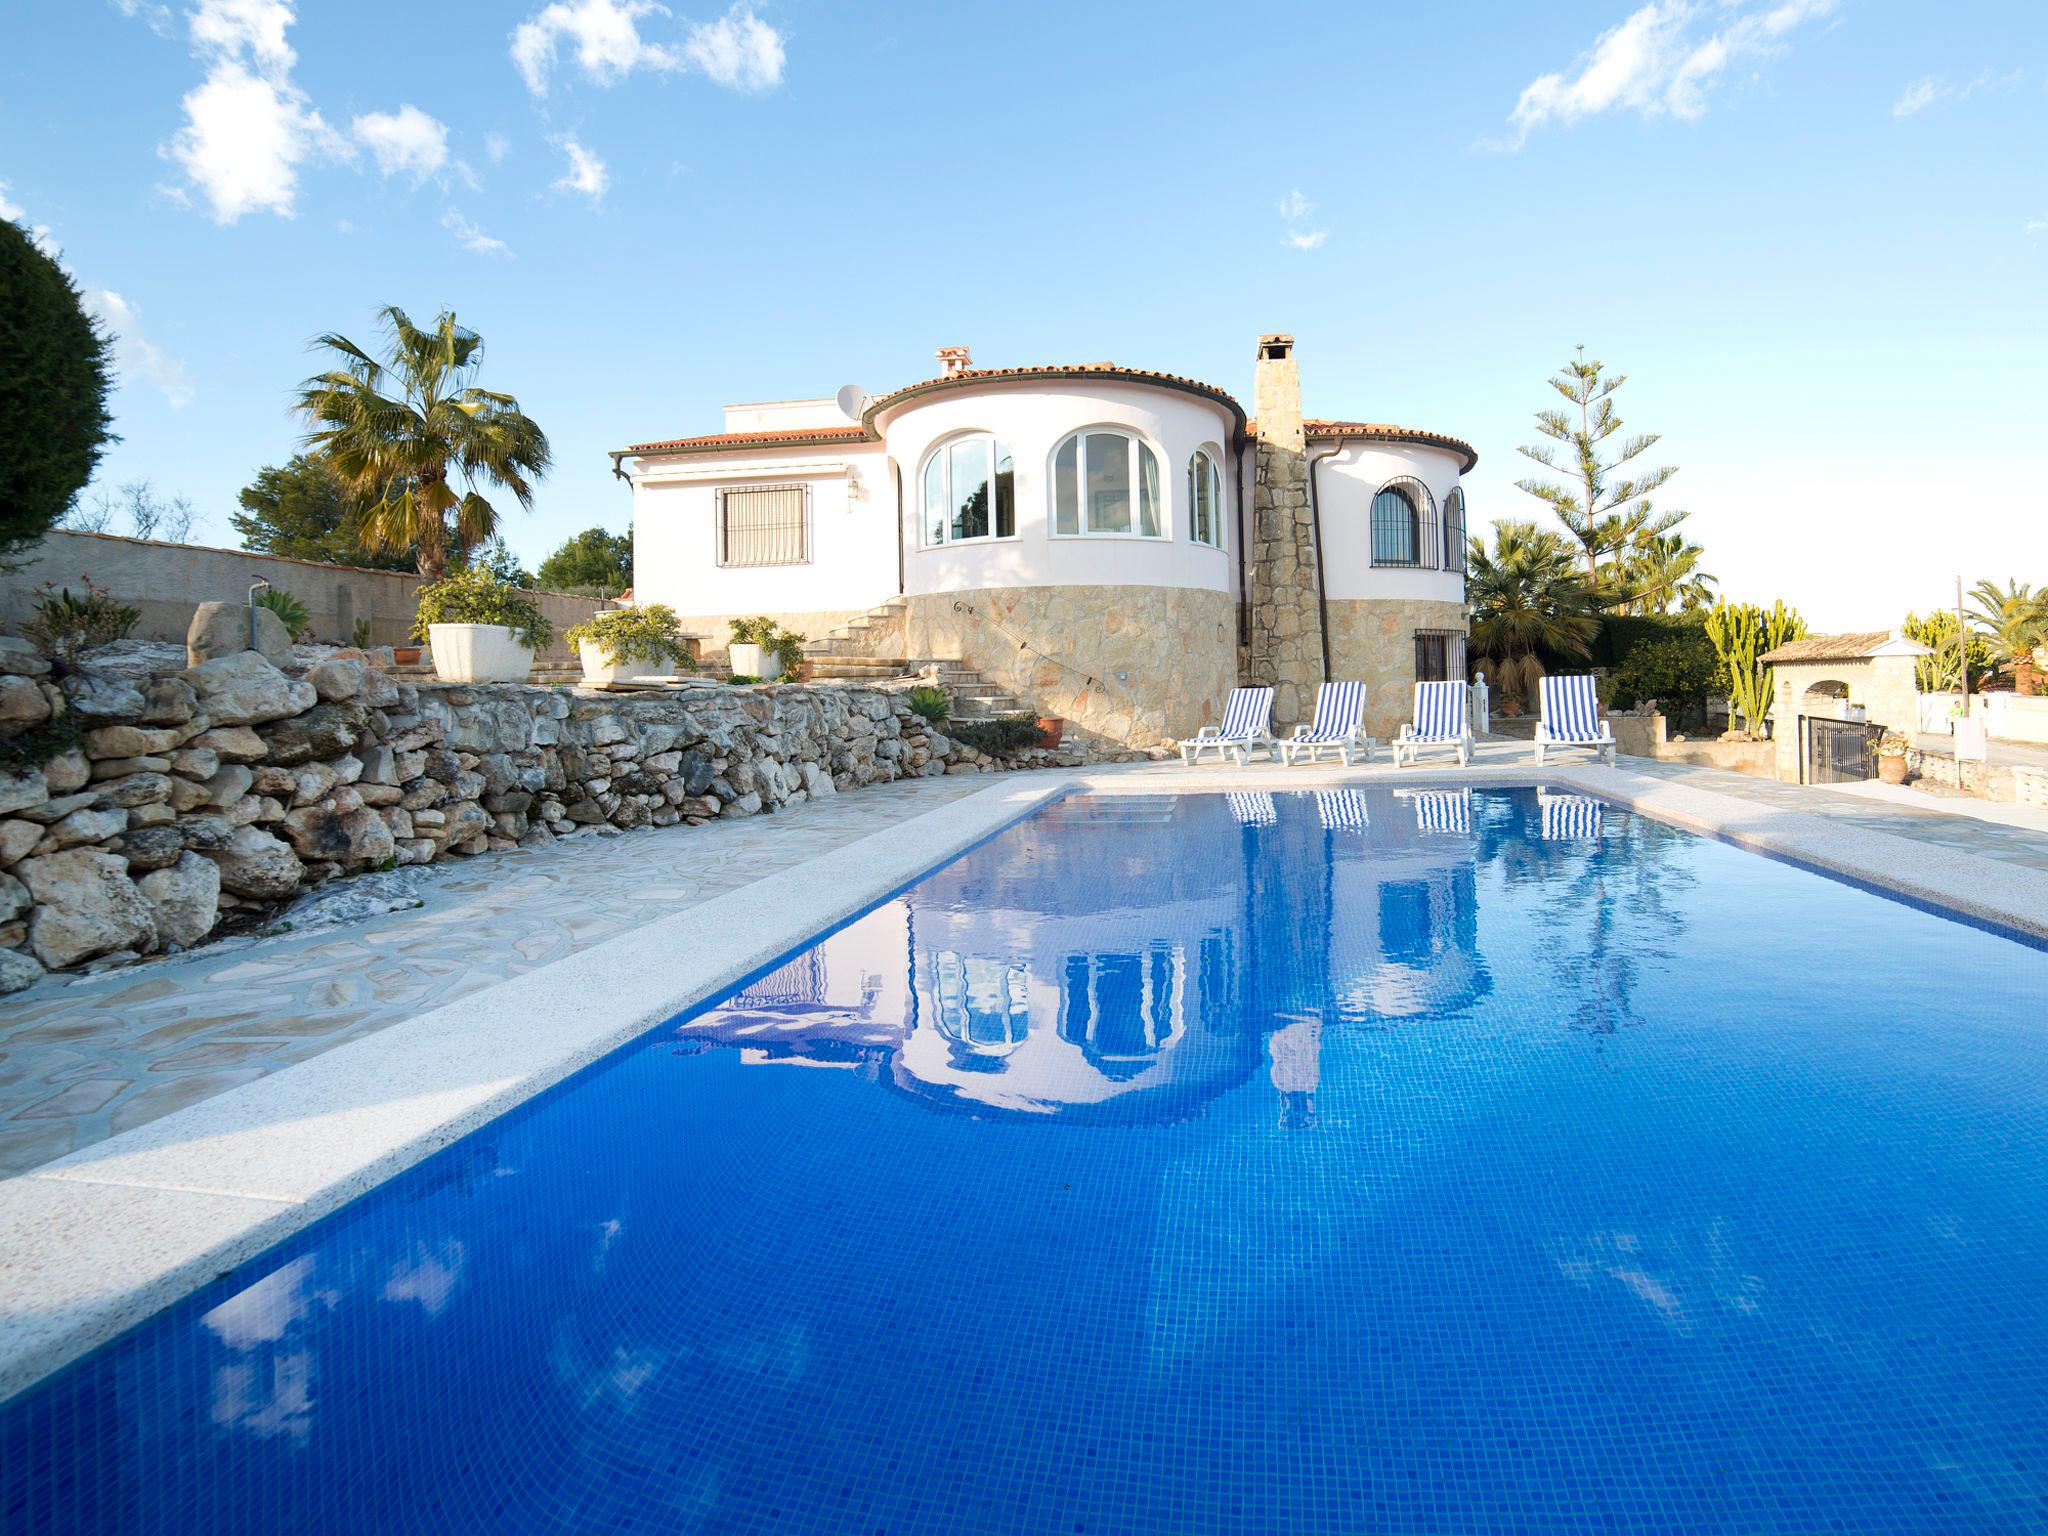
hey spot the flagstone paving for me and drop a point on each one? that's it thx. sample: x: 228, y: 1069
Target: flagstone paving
x: 84, y: 1060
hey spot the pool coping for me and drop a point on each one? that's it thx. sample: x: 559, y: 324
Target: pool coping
x: 96, y: 1241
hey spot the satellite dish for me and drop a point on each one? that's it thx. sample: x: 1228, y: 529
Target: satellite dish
x: 853, y: 401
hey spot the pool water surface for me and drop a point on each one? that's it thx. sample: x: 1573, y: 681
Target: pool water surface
x: 1376, y: 1159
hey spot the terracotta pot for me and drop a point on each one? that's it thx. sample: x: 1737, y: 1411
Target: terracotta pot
x: 405, y: 655
x: 1891, y: 770
x: 1049, y: 729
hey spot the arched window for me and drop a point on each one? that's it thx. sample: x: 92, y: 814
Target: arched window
x: 1404, y: 527
x: 1205, y: 499
x: 970, y: 490
x: 1454, y: 530
x: 1105, y: 482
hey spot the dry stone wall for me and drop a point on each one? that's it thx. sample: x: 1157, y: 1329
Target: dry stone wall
x: 194, y: 793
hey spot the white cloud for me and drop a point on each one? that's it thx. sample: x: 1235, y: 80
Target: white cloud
x: 497, y: 146
x: 586, y: 174
x: 158, y: 17
x: 738, y: 50
x: 248, y: 129
x: 39, y: 234
x: 1660, y: 61
x: 1925, y: 92
x: 2035, y: 226
x: 406, y: 142
x: 1306, y: 240
x: 1920, y: 95
x: 471, y: 237
x: 136, y: 354
x: 605, y: 35
x: 1295, y: 208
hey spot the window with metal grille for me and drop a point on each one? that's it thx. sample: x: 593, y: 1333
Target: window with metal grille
x: 1439, y: 655
x: 764, y: 525
x: 1454, y: 531
x: 1404, y: 526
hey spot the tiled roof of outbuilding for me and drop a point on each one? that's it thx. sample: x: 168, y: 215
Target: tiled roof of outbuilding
x: 1831, y: 647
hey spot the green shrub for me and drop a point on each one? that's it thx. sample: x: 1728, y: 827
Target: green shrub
x: 474, y: 596
x: 931, y: 705
x: 997, y: 737
x: 785, y: 645
x: 1680, y: 668
x: 288, y: 608
x: 743, y: 679
x: 35, y: 746
x: 63, y: 626
x: 759, y: 630
x: 653, y: 633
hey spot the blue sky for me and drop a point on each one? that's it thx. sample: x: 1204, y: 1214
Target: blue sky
x: 1813, y: 232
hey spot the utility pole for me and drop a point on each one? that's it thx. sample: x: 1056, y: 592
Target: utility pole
x: 1962, y: 650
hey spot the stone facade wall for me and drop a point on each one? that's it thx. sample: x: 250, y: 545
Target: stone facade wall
x: 191, y: 794
x: 166, y: 581
x: 1373, y: 640
x: 1284, y: 650
x: 1136, y: 666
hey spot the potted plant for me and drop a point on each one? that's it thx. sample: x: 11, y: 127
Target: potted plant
x: 1050, y: 728
x: 608, y: 643
x: 1891, y: 758
x: 482, y: 630
x: 761, y: 648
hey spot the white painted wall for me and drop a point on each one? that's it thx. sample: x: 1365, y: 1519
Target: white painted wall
x: 852, y: 539
x: 1345, y: 487
x: 784, y: 415
x: 1031, y: 417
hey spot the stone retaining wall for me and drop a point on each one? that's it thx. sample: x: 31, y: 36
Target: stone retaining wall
x: 193, y: 793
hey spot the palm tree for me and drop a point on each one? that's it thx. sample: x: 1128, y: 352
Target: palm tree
x: 1657, y: 574
x: 395, y: 431
x: 1527, y: 600
x: 2015, y: 621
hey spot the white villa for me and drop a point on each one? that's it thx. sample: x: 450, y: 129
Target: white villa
x: 1113, y: 546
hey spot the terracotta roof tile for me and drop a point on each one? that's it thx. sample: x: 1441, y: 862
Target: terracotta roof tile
x: 781, y: 437
x: 1326, y: 429
x: 1111, y: 371
x: 1830, y: 647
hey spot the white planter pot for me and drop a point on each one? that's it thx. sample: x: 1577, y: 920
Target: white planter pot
x: 478, y: 653
x: 597, y: 668
x: 749, y: 660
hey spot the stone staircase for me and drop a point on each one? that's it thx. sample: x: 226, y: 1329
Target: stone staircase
x: 872, y: 648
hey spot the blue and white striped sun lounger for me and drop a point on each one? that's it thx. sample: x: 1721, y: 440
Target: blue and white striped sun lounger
x: 1440, y: 721
x: 1569, y: 818
x: 1443, y: 810
x: 1342, y: 810
x: 1247, y: 724
x: 1571, y: 718
x: 1339, y: 727
x: 1253, y: 807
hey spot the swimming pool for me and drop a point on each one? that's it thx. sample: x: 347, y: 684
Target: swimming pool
x: 1407, y: 1160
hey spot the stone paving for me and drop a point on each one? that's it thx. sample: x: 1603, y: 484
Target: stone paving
x: 85, y: 1060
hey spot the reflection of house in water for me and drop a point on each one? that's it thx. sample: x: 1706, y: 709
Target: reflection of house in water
x: 1115, y: 966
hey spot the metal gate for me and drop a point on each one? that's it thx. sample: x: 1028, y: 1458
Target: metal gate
x: 1833, y: 751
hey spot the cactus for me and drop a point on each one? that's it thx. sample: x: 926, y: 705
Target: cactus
x: 1741, y: 632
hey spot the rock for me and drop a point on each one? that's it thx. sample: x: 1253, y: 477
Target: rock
x: 353, y: 901
x: 129, y: 741
x: 169, y: 701
x: 84, y: 827
x: 816, y: 781
x: 311, y: 782
x: 120, y: 767
x: 14, y: 898
x: 151, y: 815
x: 16, y: 839
x: 147, y: 848
x: 185, y: 899
x: 351, y: 837
x: 244, y: 689
x: 229, y: 784
x: 18, y: 658
x: 200, y: 763
x: 85, y: 906
x: 747, y: 805
x: 21, y: 788
x: 101, y: 697
x: 21, y: 701
x: 222, y: 629
x: 380, y: 765
x: 333, y: 679
x: 231, y: 744
x: 253, y: 863
x: 67, y: 771
x: 136, y: 790
x: 325, y: 730
x: 18, y: 969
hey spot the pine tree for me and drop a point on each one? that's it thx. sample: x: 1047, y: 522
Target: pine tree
x: 1604, y: 515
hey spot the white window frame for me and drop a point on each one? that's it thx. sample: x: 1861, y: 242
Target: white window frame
x: 997, y: 452
x: 1204, y: 457
x: 1133, y: 440
x: 718, y: 527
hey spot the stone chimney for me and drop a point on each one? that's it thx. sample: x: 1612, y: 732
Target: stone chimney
x: 1284, y: 649
x: 954, y: 360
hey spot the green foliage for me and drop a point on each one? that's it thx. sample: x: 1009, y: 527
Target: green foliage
x: 1528, y: 604
x: 1893, y: 744
x: 474, y: 596
x: 1740, y: 633
x: 287, y: 608
x: 931, y: 705
x: 396, y: 431
x: 64, y: 626
x: 56, y: 372
x: 495, y: 559
x: 37, y: 744
x: 303, y: 511
x: 1004, y: 734
x: 785, y: 645
x: 1677, y: 668
x: 1937, y: 673
x: 653, y: 632
x: 742, y: 679
x: 359, y: 635
x: 594, y: 563
x: 759, y: 630
x: 2015, y: 622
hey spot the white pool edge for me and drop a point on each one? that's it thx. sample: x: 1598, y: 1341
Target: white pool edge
x: 97, y: 1241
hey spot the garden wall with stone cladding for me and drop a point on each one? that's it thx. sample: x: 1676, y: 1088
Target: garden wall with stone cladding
x: 192, y: 794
